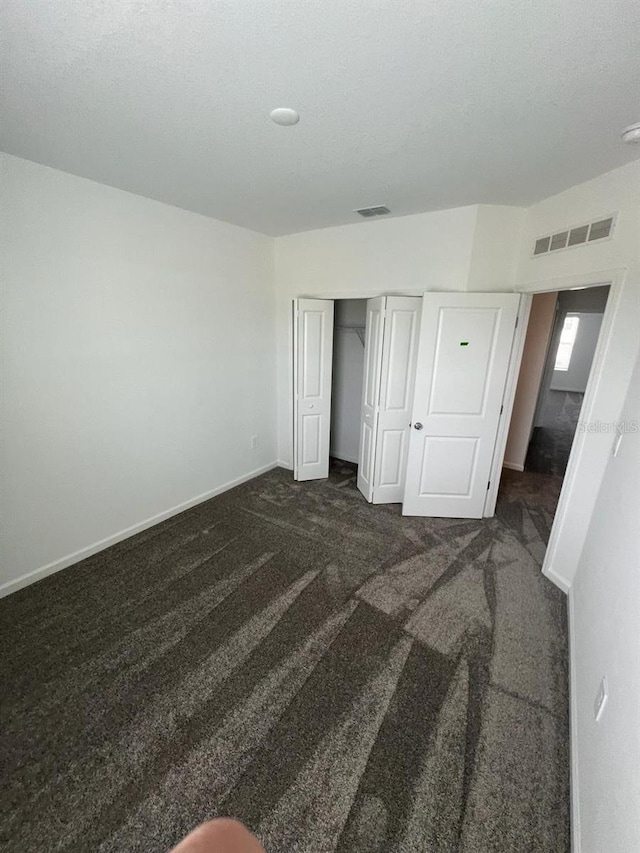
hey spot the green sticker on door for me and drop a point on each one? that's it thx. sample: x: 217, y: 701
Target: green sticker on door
x: 464, y: 343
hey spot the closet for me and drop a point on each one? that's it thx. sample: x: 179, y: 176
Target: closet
x: 346, y: 386
x: 357, y: 404
x: 434, y: 376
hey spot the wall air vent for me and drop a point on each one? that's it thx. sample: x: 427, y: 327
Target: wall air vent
x: 379, y: 210
x: 577, y: 236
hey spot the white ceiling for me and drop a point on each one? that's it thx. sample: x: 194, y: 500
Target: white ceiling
x: 417, y: 104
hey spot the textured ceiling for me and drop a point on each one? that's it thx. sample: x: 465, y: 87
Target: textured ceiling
x: 417, y: 104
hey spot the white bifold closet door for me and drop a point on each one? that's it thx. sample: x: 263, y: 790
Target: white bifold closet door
x: 388, y: 381
x: 374, y: 331
x: 312, y: 363
x: 465, y: 343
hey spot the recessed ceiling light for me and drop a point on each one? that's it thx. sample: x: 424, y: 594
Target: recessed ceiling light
x: 284, y: 116
x: 631, y: 134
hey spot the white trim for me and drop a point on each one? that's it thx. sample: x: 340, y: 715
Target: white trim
x: 615, y: 279
x: 294, y: 388
x: 282, y: 464
x: 561, y: 582
x: 37, y: 574
x: 513, y: 466
x: 508, y: 399
x: 343, y: 457
x: 573, y: 282
x: 576, y: 844
x: 337, y: 295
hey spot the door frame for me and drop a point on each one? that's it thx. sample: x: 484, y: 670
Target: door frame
x: 563, y: 536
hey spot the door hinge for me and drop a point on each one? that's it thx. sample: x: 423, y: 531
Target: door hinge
x: 488, y: 485
x: 517, y: 321
x: 501, y: 409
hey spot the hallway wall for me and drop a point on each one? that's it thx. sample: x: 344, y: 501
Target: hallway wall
x: 576, y: 377
x: 541, y: 319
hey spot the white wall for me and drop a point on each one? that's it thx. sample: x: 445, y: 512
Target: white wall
x: 605, y: 640
x: 348, y: 367
x: 496, y: 248
x: 409, y: 254
x: 616, y: 259
x: 138, y: 359
x: 543, y: 308
x: 584, y: 348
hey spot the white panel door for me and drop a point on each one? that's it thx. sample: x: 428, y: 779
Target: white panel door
x: 313, y: 352
x: 463, y: 356
x: 399, y: 351
x: 370, y: 394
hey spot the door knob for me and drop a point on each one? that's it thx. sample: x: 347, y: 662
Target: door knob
x: 417, y: 425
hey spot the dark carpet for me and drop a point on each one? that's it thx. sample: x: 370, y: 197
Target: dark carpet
x: 551, y: 441
x: 338, y: 677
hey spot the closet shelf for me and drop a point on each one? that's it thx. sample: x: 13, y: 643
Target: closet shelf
x: 359, y: 330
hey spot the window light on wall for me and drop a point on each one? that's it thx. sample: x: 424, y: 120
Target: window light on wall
x: 567, y: 340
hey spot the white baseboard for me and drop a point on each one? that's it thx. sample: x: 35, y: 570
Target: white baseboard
x: 513, y: 466
x: 558, y: 580
x: 343, y: 457
x: 282, y: 464
x: 576, y: 844
x: 55, y: 566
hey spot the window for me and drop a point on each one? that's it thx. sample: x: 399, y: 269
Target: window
x: 567, y: 340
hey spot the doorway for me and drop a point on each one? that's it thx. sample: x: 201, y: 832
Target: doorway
x: 559, y: 348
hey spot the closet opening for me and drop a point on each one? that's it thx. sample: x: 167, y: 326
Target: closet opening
x: 349, y: 330
x: 354, y: 375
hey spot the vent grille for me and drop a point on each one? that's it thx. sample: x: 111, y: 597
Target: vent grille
x: 378, y: 210
x: 559, y: 241
x: 577, y: 236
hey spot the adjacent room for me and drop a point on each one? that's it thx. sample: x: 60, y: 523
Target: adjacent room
x: 561, y: 340
x: 320, y: 458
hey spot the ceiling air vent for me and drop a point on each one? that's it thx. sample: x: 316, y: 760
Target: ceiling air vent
x: 577, y: 236
x: 379, y: 210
